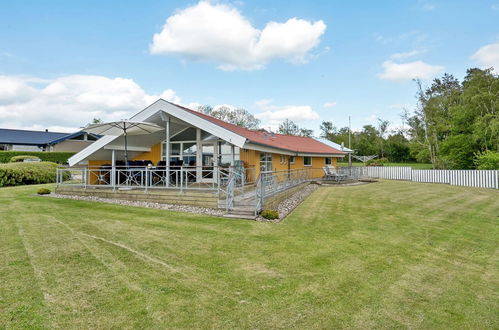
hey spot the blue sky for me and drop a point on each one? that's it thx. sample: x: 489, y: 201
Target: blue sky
x: 64, y: 62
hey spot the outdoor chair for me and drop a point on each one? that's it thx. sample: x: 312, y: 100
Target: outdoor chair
x: 332, y: 174
x: 339, y: 176
x: 327, y: 173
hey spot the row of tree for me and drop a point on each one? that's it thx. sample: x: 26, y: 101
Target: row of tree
x: 455, y: 125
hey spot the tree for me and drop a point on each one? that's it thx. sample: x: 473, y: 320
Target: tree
x: 397, y: 148
x: 306, y: 132
x: 288, y: 127
x: 206, y: 109
x: 382, y: 129
x: 456, y: 120
x: 328, y: 130
x: 238, y: 116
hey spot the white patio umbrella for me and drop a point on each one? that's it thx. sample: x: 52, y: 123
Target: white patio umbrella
x: 123, y: 127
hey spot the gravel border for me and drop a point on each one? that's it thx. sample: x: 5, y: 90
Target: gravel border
x: 170, y: 207
x: 289, y: 204
x: 284, y: 208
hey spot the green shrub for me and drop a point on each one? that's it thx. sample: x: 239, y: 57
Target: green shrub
x: 46, y: 156
x: 21, y: 158
x: 487, y: 160
x: 43, y: 191
x: 14, y: 174
x: 377, y: 162
x: 270, y: 214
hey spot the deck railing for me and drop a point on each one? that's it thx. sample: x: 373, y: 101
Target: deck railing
x: 178, y: 177
x: 273, y: 182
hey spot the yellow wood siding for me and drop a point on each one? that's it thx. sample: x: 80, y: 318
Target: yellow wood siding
x: 154, y: 155
x: 251, y: 159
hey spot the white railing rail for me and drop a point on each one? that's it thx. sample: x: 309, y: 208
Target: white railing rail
x: 273, y: 182
x: 183, y: 177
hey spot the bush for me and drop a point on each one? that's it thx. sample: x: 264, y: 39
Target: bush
x: 270, y: 214
x: 43, y: 191
x: 377, y: 162
x: 14, y: 174
x: 46, y: 156
x: 21, y: 158
x: 487, y: 160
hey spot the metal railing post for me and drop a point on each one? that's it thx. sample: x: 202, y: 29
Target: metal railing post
x: 181, y: 178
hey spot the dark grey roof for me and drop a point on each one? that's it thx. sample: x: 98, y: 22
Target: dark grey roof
x: 18, y: 136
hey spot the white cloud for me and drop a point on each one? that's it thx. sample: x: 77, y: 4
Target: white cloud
x: 219, y: 33
x: 488, y: 56
x: 69, y: 102
x: 404, y: 55
x: 329, y: 104
x: 409, y: 70
x: 271, y: 115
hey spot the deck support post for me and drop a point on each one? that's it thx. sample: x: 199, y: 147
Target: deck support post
x: 113, y: 169
x: 167, y: 151
x: 199, y: 156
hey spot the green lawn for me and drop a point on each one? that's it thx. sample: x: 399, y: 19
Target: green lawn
x: 384, y: 255
x: 416, y: 166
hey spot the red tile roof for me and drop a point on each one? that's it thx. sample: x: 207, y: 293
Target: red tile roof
x: 298, y: 144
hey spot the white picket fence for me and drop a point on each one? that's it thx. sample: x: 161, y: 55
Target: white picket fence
x: 467, y: 178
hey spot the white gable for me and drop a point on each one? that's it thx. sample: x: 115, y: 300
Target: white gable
x: 173, y: 110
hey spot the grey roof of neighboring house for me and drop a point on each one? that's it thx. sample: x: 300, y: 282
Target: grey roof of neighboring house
x: 334, y: 145
x: 18, y: 136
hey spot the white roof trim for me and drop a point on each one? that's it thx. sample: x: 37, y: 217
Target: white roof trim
x: 269, y: 149
x: 129, y: 148
x: 162, y: 105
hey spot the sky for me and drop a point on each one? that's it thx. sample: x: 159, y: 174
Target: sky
x: 63, y: 63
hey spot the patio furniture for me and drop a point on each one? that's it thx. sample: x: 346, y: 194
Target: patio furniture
x: 332, y: 174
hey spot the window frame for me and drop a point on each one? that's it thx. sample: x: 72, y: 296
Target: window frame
x: 330, y: 161
x: 305, y: 157
x: 266, y: 159
x: 292, y: 160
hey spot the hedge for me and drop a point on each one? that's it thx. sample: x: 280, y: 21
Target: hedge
x: 22, y: 158
x: 14, y: 174
x: 46, y: 156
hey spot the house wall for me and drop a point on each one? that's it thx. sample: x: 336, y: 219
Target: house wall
x: 154, y: 155
x: 251, y: 159
x: 71, y: 145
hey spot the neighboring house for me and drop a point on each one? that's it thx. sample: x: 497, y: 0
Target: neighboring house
x: 197, y: 139
x: 25, y: 140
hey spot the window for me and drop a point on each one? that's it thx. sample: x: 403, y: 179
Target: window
x: 181, y: 152
x: 265, y: 161
x: 328, y: 161
x: 307, y: 161
x: 225, y: 154
x: 291, y: 159
x: 283, y: 160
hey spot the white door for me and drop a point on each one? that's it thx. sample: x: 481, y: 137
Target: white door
x: 209, y: 154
